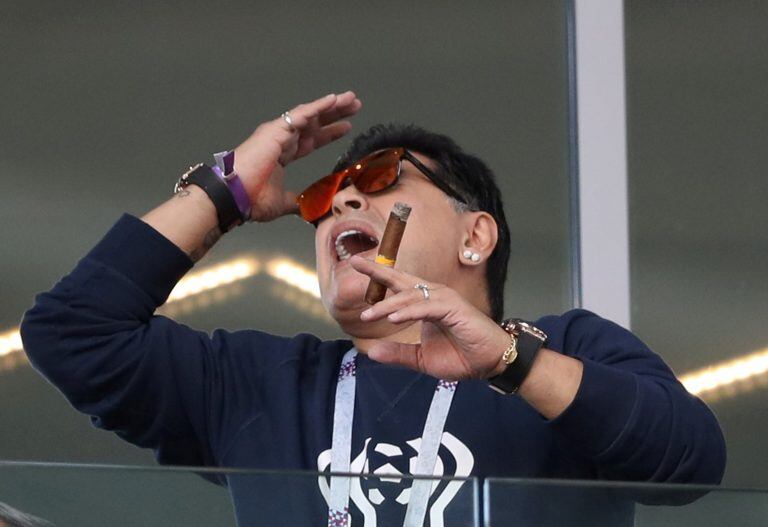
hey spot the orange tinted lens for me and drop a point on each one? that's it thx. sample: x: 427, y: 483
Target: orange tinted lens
x: 316, y: 200
x: 378, y: 172
x: 371, y: 174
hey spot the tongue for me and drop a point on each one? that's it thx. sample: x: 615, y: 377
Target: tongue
x: 358, y: 243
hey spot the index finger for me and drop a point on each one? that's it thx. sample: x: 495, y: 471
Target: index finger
x: 329, y: 108
x: 302, y: 114
x: 393, y: 279
x: 347, y: 104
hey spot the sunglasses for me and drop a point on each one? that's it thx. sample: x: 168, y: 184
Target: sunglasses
x: 373, y: 173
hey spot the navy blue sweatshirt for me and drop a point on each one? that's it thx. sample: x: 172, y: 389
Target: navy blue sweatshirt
x: 254, y: 400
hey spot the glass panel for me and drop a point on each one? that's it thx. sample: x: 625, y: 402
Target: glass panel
x: 103, y: 108
x: 542, y: 503
x: 698, y: 124
x: 121, y: 496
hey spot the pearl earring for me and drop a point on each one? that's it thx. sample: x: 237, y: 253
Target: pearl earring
x: 469, y: 255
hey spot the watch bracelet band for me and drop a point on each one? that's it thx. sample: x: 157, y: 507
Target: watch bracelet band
x: 529, y: 342
x: 227, y: 211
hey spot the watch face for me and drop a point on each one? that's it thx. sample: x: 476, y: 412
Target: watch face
x: 526, y: 341
x: 516, y: 326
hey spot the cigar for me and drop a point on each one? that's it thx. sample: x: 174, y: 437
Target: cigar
x: 390, y: 243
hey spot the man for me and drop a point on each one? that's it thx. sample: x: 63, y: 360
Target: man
x: 590, y: 400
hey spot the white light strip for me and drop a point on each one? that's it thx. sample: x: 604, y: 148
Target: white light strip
x: 213, y: 277
x: 283, y: 269
x: 725, y: 374
x: 10, y: 342
x: 294, y: 274
x: 193, y: 284
x: 700, y: 382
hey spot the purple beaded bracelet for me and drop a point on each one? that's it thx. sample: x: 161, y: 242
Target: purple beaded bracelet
x: 225, y: 164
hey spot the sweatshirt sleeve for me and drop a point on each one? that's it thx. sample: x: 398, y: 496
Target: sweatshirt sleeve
x: 94, y: 336
x: 630, y: 414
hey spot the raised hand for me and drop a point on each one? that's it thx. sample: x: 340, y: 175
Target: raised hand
x: 261, y: 159
x: 458, y: 341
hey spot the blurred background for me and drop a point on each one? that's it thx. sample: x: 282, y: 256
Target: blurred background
x: 103, y: 106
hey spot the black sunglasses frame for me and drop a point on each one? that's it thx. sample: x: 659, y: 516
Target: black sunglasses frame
x: 431, y: 176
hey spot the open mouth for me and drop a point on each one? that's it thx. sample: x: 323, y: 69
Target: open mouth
x: 351, y: 242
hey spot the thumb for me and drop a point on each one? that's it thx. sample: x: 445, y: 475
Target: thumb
x: 396, y: 353
x: 289, y: 203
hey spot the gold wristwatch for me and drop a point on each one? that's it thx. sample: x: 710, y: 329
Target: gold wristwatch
x: 525, y: 342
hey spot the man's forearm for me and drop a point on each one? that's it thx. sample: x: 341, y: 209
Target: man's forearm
x: 188, y: 220
x: 552, y: 383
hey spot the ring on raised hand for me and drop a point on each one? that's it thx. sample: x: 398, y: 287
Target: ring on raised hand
x: 424, y: 290
x: 289, y: 121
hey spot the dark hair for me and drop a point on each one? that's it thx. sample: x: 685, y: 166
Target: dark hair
x: 465, y: 173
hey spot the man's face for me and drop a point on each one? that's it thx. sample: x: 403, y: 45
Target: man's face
x: 429, y: 249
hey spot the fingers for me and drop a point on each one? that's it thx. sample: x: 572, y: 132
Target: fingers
x: 327, y: 134
x: 394, y: 303
x: 290, y: 206
x: 332, y: 132
x: 408, y: 303
x: 303, y: 113
x: 315, y: 124
x: 411, y: 306
x: 431, y: 310
x: 393, y: 279
x: 260, y: 159
x: 347, y: 105
x: 321, y: 112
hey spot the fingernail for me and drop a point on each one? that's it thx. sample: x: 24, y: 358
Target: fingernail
x: 365, y: 315
x: 394, y: 317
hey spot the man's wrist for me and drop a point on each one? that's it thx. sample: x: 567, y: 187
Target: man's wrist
x: 504, y: 341
x: 203, y: 176
x: 525, y: 342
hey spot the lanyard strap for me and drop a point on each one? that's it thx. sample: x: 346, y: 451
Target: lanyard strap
x: 341, y: 443
x: 341, y: 446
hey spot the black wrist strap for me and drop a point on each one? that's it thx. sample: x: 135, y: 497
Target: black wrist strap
x: 204, y: 177
x: 509, y: 381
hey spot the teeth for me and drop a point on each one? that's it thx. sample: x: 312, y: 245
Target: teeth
x: 342, y: 251
x: 346, y: 233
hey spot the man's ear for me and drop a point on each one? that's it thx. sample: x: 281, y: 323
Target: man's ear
x: 480, y: 237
